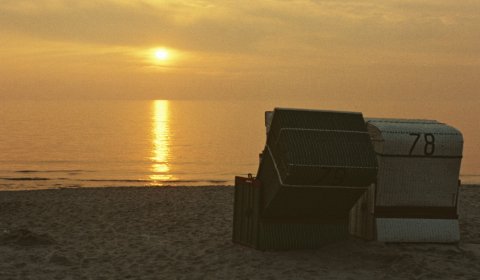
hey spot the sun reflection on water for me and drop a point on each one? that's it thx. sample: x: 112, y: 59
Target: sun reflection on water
x: 161, y: 142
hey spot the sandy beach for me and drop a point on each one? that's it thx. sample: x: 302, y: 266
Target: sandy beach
x: 185, y: 233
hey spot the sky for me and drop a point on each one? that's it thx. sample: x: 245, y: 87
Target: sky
x: 384, y: 50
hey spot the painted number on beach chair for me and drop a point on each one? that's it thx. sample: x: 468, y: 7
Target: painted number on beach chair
x: 429, y: 147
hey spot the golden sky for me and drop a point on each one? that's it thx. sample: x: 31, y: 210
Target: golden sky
x: 384, y: 50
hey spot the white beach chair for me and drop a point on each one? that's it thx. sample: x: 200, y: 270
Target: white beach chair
x: 416, y: 194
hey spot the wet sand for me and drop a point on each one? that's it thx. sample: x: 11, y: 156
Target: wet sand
x: 185, y: 233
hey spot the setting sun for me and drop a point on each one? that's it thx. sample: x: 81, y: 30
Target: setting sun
x: 161, y: 54
x: 162, y: 57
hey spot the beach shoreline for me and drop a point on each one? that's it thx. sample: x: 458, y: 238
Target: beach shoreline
x: 185, y: 233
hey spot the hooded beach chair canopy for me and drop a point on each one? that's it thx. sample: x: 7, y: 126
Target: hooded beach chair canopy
x: 315, y: 162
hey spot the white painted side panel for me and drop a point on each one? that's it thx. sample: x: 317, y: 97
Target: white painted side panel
x: 417, y: 181
x: 417, y: 230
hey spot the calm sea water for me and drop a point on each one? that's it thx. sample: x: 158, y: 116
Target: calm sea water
x: 127, y: 143
x: 53, y: 144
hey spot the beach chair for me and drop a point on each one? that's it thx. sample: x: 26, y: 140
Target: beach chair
x: 415, y: 197
x: 315, y: 166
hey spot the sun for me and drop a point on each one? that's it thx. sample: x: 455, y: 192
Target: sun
x: 161, y: 54
x: 162, y: 57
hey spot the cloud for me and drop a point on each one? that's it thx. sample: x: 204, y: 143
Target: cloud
x: 201, y: 27
x: 267, y: 40
x: 251, y: 27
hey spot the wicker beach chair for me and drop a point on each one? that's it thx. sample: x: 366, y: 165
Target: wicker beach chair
x: 315, y: 166
x: 416, y: 193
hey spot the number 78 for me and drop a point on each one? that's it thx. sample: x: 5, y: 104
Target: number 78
x: 429, y: 147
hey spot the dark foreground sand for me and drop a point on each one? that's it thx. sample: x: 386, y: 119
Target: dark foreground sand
x: 185, y: 233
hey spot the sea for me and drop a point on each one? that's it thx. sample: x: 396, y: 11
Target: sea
x: 115, y: 143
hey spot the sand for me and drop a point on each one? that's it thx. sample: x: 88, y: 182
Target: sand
x: 185, y: 233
